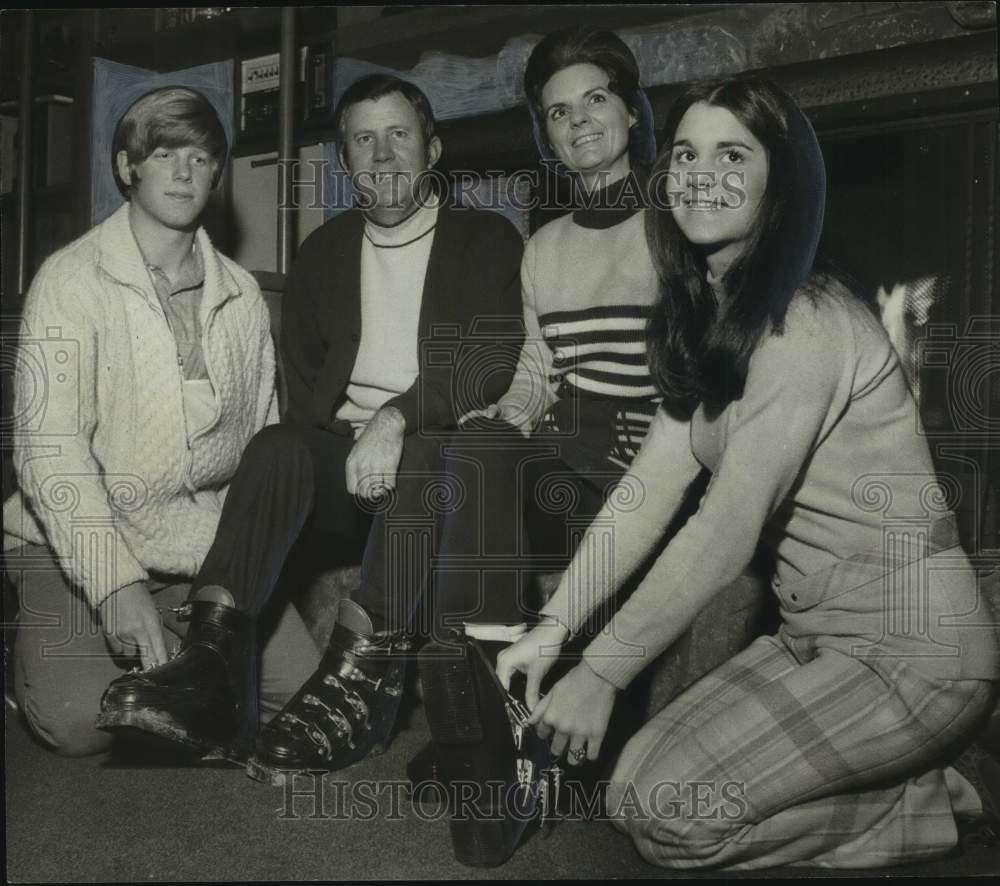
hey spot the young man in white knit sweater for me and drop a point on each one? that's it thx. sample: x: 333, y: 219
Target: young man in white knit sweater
x: 146, y: 365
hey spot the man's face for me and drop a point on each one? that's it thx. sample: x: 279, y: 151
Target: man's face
x: 384, y: 151
x: 170, y: 187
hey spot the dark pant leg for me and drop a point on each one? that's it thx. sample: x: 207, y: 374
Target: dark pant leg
x: 288, y: 476
x: 453, y: 536
x: 447, y: 544
x: 403, y: 536
x: 481, y: 573
x: 560, y: 503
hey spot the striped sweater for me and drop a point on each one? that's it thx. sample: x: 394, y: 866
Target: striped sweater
x: 588, y: 287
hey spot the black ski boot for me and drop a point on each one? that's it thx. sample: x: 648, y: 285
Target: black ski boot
x: 203, y: 700
x: 498, y: 775
x: 344, y: 710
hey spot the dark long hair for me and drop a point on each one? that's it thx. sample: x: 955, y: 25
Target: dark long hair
x: 699, y: 351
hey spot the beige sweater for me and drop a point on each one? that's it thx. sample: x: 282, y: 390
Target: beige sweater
x: 822, y: 454
x: 110, y: 478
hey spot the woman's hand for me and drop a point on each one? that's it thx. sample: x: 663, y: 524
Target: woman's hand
x: 496, y: 412
x: 576, y: 713
x: 532, y: 655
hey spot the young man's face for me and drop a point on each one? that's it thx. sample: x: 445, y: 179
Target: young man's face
x: 385, y: 150
x: 170, y: 187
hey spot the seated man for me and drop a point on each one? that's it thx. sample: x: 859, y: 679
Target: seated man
x: 382, y: 313
x: 146, y: 365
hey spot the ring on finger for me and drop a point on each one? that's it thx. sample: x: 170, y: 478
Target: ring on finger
x: 578, y: 754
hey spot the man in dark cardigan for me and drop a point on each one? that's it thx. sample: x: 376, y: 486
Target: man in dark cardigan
x: 399, y: 316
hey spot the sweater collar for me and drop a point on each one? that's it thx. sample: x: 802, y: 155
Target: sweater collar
x: 613, y: 204
x: 419, y: 223
x: 119, y: 257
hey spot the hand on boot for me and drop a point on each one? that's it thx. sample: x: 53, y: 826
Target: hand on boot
x: 132, y: 624
x: 533, y: 655
x: 575, y: 714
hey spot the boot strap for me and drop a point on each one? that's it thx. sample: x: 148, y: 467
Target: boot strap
x: 346, y: 695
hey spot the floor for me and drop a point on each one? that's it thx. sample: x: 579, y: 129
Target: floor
x: 89, y: 820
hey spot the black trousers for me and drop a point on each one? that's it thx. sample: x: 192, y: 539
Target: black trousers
x: 475, y: 512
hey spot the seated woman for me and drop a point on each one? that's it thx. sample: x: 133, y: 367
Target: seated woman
x: 822, y: 745
x: 588, y: 282
x: 582, y: 393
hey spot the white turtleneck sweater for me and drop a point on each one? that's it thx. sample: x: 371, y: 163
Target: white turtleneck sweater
x: 393, y: 266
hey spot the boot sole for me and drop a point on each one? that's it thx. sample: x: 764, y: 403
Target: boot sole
x: 141, y: 722
x: 268, y: 773
x: 453, y: 714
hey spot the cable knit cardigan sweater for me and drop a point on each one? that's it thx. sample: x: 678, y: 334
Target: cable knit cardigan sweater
x: 110, y: 478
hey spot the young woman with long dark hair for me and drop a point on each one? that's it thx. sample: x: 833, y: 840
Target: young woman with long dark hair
x: 825, y: 744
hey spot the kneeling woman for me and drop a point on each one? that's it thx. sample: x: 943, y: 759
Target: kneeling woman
x: 823, y: 744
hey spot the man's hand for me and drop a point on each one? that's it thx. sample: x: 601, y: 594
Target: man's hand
x: 374, y: 461
x: 132, y: 624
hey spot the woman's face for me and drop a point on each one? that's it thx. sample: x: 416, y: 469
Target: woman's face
x: 587, y: 124
x: 721, y: 170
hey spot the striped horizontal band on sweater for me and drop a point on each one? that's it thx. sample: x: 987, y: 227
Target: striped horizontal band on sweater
x: 600, y: 352
x: 624, y: 431
x: 631, y: 427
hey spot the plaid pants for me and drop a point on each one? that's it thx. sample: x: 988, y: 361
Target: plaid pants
x: 793, y: 753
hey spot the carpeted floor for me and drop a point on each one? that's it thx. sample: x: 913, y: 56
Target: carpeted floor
x: 90, y: 820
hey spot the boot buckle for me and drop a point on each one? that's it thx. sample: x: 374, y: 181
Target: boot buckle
x: 352, y: 698
x: 344, y: 730
x: 343, y: 725
x: 183, y: 612
x: 358, y: 676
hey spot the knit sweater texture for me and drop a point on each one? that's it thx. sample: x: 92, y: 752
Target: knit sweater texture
x: 109, y: 476
x: 823, y: 452
x: 586, y: 293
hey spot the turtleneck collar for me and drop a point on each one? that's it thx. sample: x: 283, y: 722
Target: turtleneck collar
x: 611, y: 205
x: 415, y: 226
